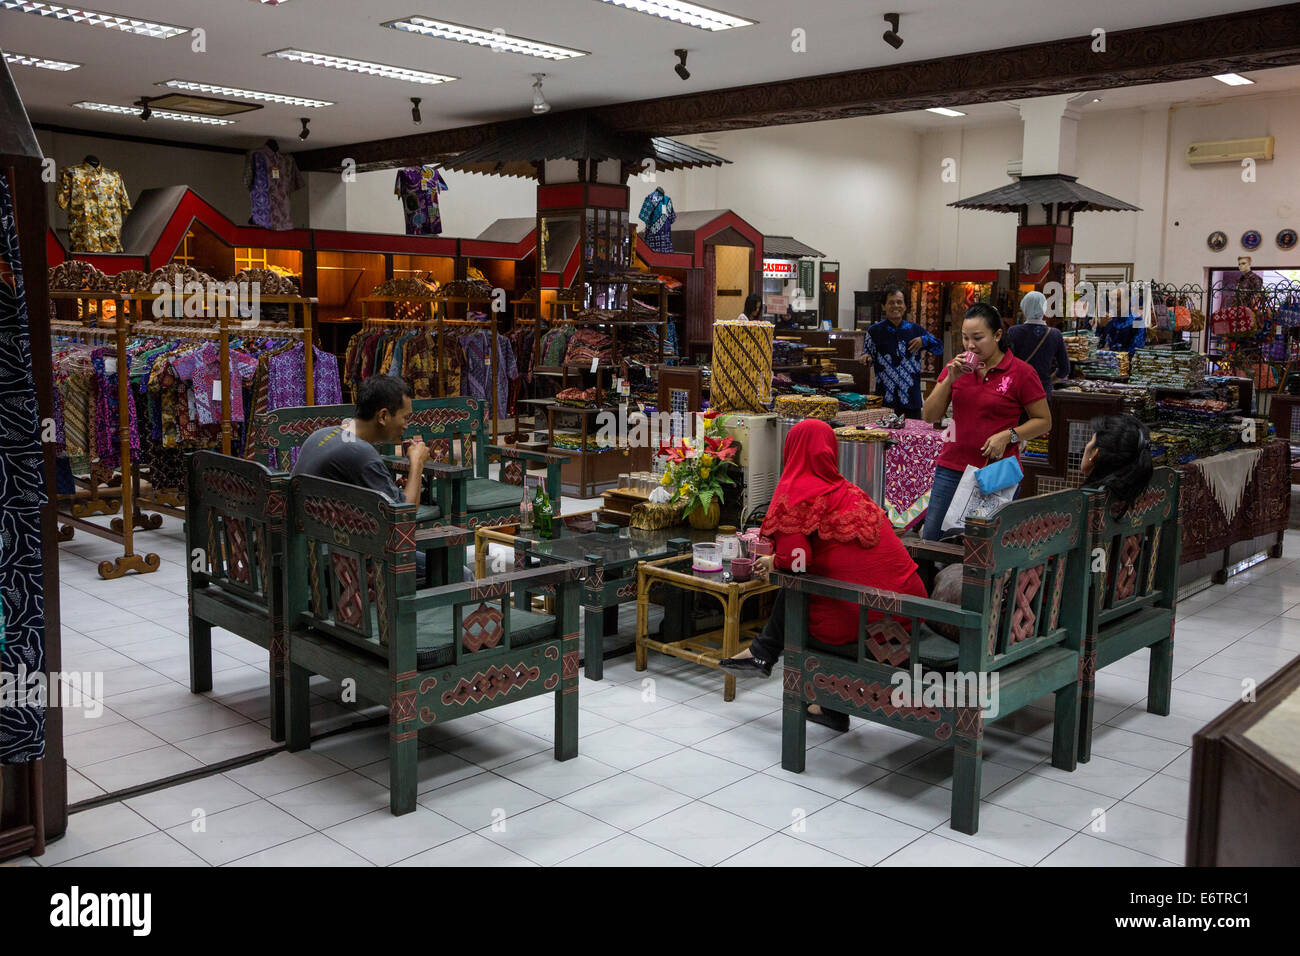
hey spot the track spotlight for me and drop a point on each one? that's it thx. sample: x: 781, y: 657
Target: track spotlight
x: 539, y: 101
x: 305, y: 131
x: 680, y: 68
x: 415, y: 110
x: 145, y: 111
x: 891, y: 36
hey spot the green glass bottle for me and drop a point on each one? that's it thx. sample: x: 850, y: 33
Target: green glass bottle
x: 542, y: 512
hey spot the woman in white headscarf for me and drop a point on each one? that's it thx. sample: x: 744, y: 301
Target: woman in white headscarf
x: 1033, y: 341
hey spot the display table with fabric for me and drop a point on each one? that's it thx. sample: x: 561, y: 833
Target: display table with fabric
x: 1233, y: 497
x: 909, y: 471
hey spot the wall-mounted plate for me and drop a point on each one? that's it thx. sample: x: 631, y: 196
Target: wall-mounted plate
x: 1251, y: 239
x: 1286, y: 239
x: 1218, y: 241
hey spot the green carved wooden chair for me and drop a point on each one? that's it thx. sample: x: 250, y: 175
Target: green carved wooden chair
x: 457, y: 430
x: 353, y: 612
x: 234, y: 533
x: 1021, y: 623
x: 1134, y: 564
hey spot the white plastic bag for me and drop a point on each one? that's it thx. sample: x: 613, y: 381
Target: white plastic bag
x: 969, y: 501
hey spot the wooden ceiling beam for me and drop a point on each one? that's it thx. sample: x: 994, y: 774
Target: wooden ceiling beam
x: 1188, y: 49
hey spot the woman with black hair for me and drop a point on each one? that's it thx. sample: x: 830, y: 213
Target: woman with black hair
x: 991, y: 392
x: 753, y: 308
x: 1117, y: 459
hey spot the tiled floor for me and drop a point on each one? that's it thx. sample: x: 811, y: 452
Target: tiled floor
x: 668, y: 773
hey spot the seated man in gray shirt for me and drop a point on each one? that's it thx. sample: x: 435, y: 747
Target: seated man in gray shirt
x: 347, y: 452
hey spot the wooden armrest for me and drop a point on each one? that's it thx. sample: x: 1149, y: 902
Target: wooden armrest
x: 497, y: 586
x: 936, y: 550
x: 890, y: 602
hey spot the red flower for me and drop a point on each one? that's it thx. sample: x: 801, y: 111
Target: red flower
x: 724, y: 449
x: 710, y: 416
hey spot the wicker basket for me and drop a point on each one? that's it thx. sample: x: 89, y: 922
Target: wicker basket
x: 799, y: 406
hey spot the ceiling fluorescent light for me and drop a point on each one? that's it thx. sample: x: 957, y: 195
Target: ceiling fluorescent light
x: 944, y: 111
x: 22, y: 59
x: 239, y: 94
x: 156, y: 114
x: 359, y: 66
x: 1233, y: 79
x: 500, y: 42
x: 691, y: 14
x: 111, y: 21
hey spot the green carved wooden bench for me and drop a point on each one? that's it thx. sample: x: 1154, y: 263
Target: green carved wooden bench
x: 1134, y: 565
x: 1021, y: 623
x: 234, y: 543
x: 353, y: 612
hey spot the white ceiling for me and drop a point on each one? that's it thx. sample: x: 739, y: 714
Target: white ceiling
x: 631, y: 56
x: 1181, y: 93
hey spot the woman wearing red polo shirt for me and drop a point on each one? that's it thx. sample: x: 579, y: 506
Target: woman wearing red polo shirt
x: 988, y: 402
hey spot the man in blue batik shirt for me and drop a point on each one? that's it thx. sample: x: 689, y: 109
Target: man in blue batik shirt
x: 1121, y: 333
x: 893, y: 347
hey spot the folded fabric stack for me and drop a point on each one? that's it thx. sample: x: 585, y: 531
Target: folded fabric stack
x: 572, y: 441
x: 1036, y: 449
x: 586, y: 344
x: 1105, y: 364
x: 1080, y: 346
x: 1169, y: 368
x: 801, y: 406
x: 1169, y: 448
x: 1209, y: 424
x: 1138, y: 399
x: 853, y: 401
x: 785, y: 352
x: 866, y: 416
x: 639, y: 345
x: 577, y: 397
x: 863, y: 434
x: 415, y: 288
x: 1226, y: 388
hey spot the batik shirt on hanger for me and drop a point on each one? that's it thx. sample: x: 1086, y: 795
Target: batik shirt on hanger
x: 419, y: 187
x: 96, y: 200
x: 270, y: 176
x: 658, y: 215
x: 22, y: 493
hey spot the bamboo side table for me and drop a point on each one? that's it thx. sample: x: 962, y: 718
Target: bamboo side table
x: 712, y: 646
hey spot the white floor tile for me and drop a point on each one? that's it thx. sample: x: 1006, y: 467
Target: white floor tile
x: 105, y: 743
x: 383, y: 839
x: 435, y: 768
x: 625, y: 801
x: 333, y: 800
x: 550, y: 833
x: 153, y: 850
x: 238, y: 741
x: 173, y: 806
x: 314, y: 849
x: 201, y: 717
x: 830, y: 773
x: 469, y: 850
x: 626, y: 850
x: 479, y: 801
x: 137, y: 769
x: 692, y: 772
x: 768, y: 801
x: 1051, y: 800
x: 1012, y: 835
x: 284, y: 771
x: 1137, y: 749
x: 935, y: 850
x: 239, y: 831
x: 905, y: 799
x: 857, y: 834
x: 1165, y: 793
x: 781, y: 849
x: 1146, y: 831
x: 702, y: 833
x: 96, y: 829
x: 555, y: 778
x: 626, y: 747
x: 495, y: 746
x: 1086, y: 849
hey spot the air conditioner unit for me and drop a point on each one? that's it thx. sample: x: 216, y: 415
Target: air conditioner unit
x: 760, y: 457
x: 1229, y: 151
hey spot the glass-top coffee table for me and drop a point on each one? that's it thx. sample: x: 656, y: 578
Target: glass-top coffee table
x: 613, y: 554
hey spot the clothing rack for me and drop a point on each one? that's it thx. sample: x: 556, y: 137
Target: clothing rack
x: 119, y: 530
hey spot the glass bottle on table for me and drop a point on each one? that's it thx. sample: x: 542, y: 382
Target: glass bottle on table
x: 542, y: 512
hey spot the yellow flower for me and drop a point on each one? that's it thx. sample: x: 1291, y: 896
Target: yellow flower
x: 706, y: 460
x: 684, y: 491
x: 704, y: 473
x: 667, y: 479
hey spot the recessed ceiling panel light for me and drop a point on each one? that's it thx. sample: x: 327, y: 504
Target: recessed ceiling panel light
x: 360, y: 66
x: 111, y: 21
x: 1233, y: 79
x: 155, y: 114
x: 692, y: 14
x: 239, y: 94
x: 501, y: 42
x: 944, y: 111
x: 22, y: 59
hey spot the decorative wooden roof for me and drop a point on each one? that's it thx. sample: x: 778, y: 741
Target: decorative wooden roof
x: 1055, y: 189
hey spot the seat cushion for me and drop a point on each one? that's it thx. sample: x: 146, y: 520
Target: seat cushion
x: 487, y: 494
x: 434, y: 647
x: 427, y: 513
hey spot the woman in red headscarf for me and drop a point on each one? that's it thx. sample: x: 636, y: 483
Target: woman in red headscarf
x: 821, y: 523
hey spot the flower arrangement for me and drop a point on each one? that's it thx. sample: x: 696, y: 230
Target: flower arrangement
x: 698, y: 467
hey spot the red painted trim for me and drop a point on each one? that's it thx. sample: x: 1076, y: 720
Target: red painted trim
x: 192, y: 207
x: 1044, y: 234
x: 55, y: 254
x: 663, y: 260
x: 559, y: 197
x: 487, y: 249
x: 725, y: 221
x: 606, y: 196
x: 953, y: 275
x: 328, y: 240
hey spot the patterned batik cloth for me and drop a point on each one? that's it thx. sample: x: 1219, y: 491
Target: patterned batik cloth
x: 742, y: 366
x: 203, y: 368
x: 658, y: 215
x: 269, y: 177
x: 898, y: 371
x: 287, y: 379
x: 22, y: 493
x: 96, y: 200
x: 909, y: 471
x: 475, y: 346
x: 419, y: 187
